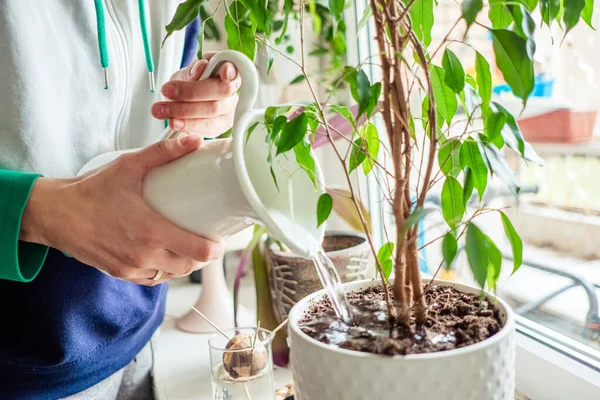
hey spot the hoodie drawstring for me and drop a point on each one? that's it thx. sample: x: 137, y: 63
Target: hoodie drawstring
x: 103, y: 48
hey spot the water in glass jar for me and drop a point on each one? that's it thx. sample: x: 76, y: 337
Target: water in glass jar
x: 257, y: 387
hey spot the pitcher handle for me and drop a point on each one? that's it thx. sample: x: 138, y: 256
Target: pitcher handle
x: 248, y: 89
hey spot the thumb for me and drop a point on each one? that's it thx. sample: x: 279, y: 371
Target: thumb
x: 165, y: 151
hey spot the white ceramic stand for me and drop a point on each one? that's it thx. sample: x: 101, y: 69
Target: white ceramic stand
x: 215, y: 301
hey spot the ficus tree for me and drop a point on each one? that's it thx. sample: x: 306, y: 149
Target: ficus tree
x: 409, y: 150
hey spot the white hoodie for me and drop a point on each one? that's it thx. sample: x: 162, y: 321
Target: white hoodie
x: 55, y: 114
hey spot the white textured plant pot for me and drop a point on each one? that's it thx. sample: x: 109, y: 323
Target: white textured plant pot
x: 483, y: 371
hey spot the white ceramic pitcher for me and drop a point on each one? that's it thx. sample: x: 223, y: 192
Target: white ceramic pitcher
x: 226, y: 185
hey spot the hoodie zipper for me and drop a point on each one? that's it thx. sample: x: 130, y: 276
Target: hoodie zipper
x: 121, y: 67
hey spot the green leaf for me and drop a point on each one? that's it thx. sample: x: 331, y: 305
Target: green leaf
x: 259, y: 15
x: 515, y: 241
x: 305, y: 159
x: 319, y: 52
x: 387, y: 267
x: 588, y: 13
x: 499, y: 15
x: 324, y: 207
x: 385, y: 252
x: 360, y: 88
x: 371, y: 136
x: 469, y: 186
x: 484, y: 80
x: 344, y: 112
x: 367, y: 14
x: 415, y: 217
x: 477, y: 253
x: 384, y: 256
x: 470, y: 9
x: 287, y: 10
x: 375, y: 92
x: 200, y: 40
x: 293, y: 132
x: 524, y: 25
x: 240, y: 32
x: 445, y: 98
x: 357, y: 154
x: 572, y: 13
x: 278, y: 125
x: 449, y: 249
x: 453, y: 207
x: 421, y: 15
x: 493, y: 123
x: 274, y: 178
x: 211, y: 31
x: 471, y: 157
x: 512, y: 58
x: 337, y: 8
x: 298, y: 79
x: 471, y: 81
x: 550, y: 10
x: 449, y: 157
x: 454, y: 74
x: 500, y: 167
x: 250, y: 130
x: 494, y: 263
x: 186, y: 12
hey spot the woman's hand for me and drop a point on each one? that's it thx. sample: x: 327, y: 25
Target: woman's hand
x: 202, y: 107
x: 102, y: 220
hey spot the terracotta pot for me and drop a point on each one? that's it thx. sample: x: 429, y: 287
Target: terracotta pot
x: 482, y: 371
x: 560, y: 126
x: 291, y: 278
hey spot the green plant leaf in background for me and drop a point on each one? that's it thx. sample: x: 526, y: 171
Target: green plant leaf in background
x: 305, y: 160
x: 287, y: 10
x: 200, y: 40
x: 240, y: 31
x: 499, y: 167
x: 449, y: 249
x: 358, y: 154
x: 421, y: 13
x: 453, y: 207
x: 445, y: 98
x: 346, y: 209
x: 259, y: 15
x: 360, y: 88
x: 344, y: 112
x: 384, y: 255
x: 549, y: 10
x: 484, y: 80
x: 375, y: 93
x: 572, y: 13
x: 499, y: 14
x: 415, y: 217
x: 493, y: 123
x: 524, y: 26
x: 337, y: 8
x: 477, y: 253
x: 293, y: 132
x: 512, y: 58
x: 470, y: 9
x: 371, y: 136
x: 454, y: 74
x: 186, y: 12
x: 449, y: 157
x: 471, y: 157
x: 588, y: 13
x: 364, y: 20
x: 324, y: 207
x: 469, y: 185
x: 494, y: 263
x: 298, y: 79
x: 515, y: 241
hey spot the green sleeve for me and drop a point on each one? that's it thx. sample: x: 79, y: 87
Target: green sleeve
x: 19, y: 261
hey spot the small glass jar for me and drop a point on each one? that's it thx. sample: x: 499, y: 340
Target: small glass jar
x: 242, y: 365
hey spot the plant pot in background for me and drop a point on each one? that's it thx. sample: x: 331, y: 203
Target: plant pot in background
x: 485, y: 370
x: 292, y: 278
x: 559, y: 126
